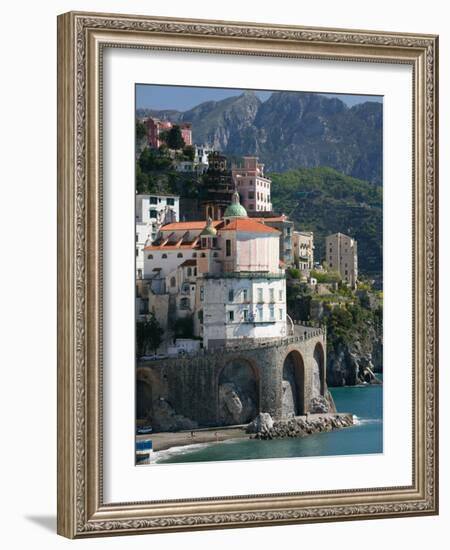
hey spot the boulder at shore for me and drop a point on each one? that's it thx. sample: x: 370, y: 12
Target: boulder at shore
x: 262, y: 423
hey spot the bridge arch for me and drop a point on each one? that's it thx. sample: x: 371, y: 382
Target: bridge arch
x: 293, y: 385
x: 318, y: 385
x: 238, y: 392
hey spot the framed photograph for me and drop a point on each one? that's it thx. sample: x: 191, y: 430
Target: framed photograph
x: 247, y: 282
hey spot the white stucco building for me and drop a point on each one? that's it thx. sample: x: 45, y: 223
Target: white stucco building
x: 152, y: 211
x: 303, y: 245
x: 226, y: 274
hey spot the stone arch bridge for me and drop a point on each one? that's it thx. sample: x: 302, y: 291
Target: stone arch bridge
x: 232, y: 385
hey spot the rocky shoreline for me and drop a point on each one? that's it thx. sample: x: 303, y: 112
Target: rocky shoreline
x: 298, y: 426
x: 262, y: 427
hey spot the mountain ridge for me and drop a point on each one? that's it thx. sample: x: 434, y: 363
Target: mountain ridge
x: 290, y: 129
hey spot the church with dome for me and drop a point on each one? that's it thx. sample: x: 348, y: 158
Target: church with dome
x: 224, y: 276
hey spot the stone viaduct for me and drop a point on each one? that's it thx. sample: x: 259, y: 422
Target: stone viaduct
x: 278, y: 377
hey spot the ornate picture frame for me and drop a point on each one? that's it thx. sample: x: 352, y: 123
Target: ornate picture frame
x: 82, y: 37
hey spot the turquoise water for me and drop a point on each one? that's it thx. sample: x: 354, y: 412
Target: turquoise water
x: 366, y: 437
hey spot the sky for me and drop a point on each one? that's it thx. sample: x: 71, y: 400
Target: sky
x: 182, y: 98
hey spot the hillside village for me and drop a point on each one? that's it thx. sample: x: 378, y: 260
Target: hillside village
x: 217, y: 267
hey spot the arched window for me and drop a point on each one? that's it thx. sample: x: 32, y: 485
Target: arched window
x: 150, y: 257
x: 203, y: 255
x: 189, y: 272
x: 179, y: 255
x: 194, y: 255
x: 164, y: 256
x: 173, y: 281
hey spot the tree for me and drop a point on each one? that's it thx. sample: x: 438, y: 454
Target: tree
x: 141, y: 131
x: 293, y: 272
x: 148, y: 335
x: 147, y: 160
x: 141, y: 180
x: 174, y: 139
x: 184, y: 327
x: 189, y: 152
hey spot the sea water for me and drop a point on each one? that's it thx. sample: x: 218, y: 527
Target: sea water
x: 364, y: 437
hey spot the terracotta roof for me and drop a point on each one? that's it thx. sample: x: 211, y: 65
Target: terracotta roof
x: 248, y: 225
x: 171, y: 246
x: 188, y: 263
x: 185, y: 226
x: 272, y: 219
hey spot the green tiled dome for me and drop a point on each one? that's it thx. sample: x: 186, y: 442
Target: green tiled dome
x: 209, y: 230
x: 235, y: 210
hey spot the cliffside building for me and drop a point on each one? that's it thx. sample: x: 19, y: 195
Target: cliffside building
x: 225, y: 274
x: 303, y: 245
x: 253, y: 187
x: 342, y: 256
x: 156, y: 127
x: 218, y: 187
x: 152, y: 211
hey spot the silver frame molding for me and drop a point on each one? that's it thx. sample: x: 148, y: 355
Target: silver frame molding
x: 81, y: 39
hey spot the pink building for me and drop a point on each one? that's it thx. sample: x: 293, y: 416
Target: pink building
x: 155, y: 127
x: 253, y: 187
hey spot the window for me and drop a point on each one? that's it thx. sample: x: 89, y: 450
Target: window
x: 215, y: 255
x: 153, y: 200
x: 150, y: 257
x: 137, y: 252
x: 260, y: 313
x: 251, y: 194
x: 194, y: 255
x: 280, y: 314
x: 231, y: 316
x: 231, y: 295
x: 202, y: 294
x: 204, y: 242
x: 251, y: 206
x: 153, y: 213
x: 260, y: 295
x: 244, y: 295
x: 228, y: 247
x: 189, y: 272
x: 139, y: 273
x: 179, y: 255
x: 137, y: 238
x: 195, y: 272
x: 185, y: 288
x: 280, y: 295
x: 173, y: 281
x: 214, y: 242
x: 171, y: 202
x: 272, y: 293
x: 272, y: 312
x: 184, y: 303
x: 245, y: 315
x: 164, y: 256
